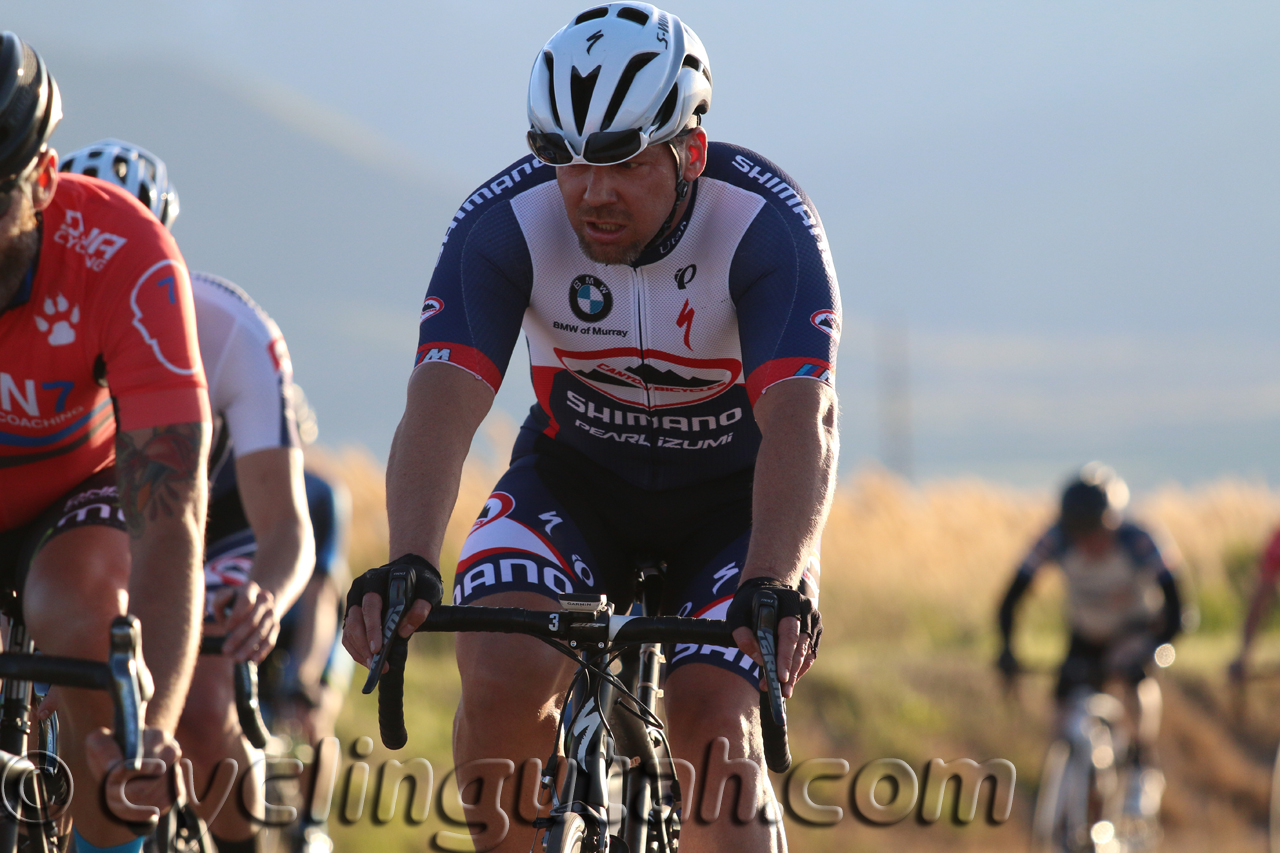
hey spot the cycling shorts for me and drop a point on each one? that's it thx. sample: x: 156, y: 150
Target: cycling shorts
x: 94, y: 502
x: 559, y: 523
x: 1087, y: 664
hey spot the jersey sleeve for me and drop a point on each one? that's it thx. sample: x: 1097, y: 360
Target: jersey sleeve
x: 1147, y: 554
x: 149, y: 342
x: 478, y: 294
x: 784, y: 287
x: 1048, y: 548
x: 257, y: 368
x: 1269, y: 569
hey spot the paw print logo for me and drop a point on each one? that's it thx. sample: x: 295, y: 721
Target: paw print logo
x: 59, y: 324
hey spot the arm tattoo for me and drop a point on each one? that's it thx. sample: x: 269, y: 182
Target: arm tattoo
x: 158, y: 476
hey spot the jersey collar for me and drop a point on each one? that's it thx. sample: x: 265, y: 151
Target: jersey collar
x: 669, y: 243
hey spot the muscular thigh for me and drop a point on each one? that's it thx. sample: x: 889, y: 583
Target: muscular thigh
x: 75, y: 574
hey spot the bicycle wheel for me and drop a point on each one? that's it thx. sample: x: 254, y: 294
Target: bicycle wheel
x: 1047, y: 822
x: 567, y: 835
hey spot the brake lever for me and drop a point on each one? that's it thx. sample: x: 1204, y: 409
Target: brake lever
x: 766, y: 619
x: 399, y: 594
x: 131, y: 687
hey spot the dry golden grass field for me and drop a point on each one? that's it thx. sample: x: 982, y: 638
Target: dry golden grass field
x: 911, y: 580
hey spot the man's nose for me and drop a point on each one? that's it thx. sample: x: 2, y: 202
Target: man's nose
x: 600, y: 188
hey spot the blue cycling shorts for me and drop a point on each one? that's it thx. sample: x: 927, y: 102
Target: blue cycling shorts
x: 558, y: 523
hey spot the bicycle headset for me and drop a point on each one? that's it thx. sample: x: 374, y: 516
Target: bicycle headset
x: 30, y: 107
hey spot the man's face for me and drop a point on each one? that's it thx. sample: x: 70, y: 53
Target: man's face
x: 616, y: 210
x: 1094, y: 544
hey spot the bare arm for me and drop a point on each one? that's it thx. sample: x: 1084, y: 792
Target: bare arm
x: 794, y: 483
x: 161, y: 474
x: 1263, y: 594
x: 274, y: 496
x: 444, y: 408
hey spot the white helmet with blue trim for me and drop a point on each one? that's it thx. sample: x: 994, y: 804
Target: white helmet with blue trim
x: 136, y: 169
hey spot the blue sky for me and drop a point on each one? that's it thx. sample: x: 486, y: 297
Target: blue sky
x: 1072, y: 208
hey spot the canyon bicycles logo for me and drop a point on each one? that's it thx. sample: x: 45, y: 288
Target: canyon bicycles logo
x: 36, y: 788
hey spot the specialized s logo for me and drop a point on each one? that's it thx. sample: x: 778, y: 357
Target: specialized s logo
x: 828, y: 321
x: 685, y: 321
x: 592, y: 39
x: 590, y: 299
x: 431, y: 306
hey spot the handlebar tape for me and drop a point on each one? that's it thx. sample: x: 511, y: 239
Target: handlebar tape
x: 391, y: 696
x: 247, y: 707
x: 777, y: 751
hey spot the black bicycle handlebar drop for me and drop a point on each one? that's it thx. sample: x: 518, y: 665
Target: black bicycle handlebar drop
x: 248, y: 708
x: 579, y: 630
x: 773, y: 708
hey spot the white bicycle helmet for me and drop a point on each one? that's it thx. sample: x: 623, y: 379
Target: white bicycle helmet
x: 136, y: 169
x: 616, y: 80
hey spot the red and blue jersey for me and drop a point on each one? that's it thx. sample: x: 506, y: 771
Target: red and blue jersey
x: 650, y: 369
x: 104, y: 314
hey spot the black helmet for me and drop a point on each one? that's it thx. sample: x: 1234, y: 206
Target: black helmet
x: 1093, y: 499
x: 30, y: 106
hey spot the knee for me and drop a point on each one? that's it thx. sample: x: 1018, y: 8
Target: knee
x: 509, y: 678
x: 82, y: 574
x: 208, y: 729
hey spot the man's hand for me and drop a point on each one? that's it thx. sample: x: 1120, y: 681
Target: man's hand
x: 254, y: 622
x: 362, y: 628
x: 148, y: 788
x: 799, y: 630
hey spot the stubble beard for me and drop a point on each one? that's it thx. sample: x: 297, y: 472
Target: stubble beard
x: 18, y: 252
x: 619, y: 255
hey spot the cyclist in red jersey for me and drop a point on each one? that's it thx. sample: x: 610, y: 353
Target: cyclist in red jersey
x: 104, y: 426
x: 1264, y: 593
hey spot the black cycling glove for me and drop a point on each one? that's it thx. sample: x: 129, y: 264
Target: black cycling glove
x: 790, y: 603
x: 427, y: 583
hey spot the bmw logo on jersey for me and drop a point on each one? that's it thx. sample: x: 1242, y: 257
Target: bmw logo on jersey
x: 590, y: 299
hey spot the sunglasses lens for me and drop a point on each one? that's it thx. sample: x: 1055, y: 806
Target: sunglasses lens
x: 550, y: 148
x: 606, y: 147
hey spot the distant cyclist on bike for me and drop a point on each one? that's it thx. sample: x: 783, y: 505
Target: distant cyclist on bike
x: 104, y: 434
x: 1122, y: 601
x: 258, y: 544
x: 682, y: 313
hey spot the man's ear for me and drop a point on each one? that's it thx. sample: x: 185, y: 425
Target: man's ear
x: 696, y: 142
x: 45, y: 183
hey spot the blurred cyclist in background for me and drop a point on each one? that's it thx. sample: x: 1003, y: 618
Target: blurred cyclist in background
x: 1264, y: 593
x: 1123, y: 605
x: 305, y: 678
x: 259, y: 549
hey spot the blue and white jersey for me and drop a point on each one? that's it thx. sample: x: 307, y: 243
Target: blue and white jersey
x: 1111, y: 595
x: 649, y: 369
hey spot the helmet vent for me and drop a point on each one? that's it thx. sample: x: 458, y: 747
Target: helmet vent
x: 592, y: 14
x: 634, y: 15
x: 639, y: 61
x: 580, y: 89
x: 91, y: 171
x: 144, y: 195
x: 691, y: 61
x: 120, y: 165
x: 551, y: 86
x: 668, y: 108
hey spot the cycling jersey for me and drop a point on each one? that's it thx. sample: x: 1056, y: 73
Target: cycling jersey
x: 1269, y: 570
x: 106, y: 305
x: 1110, y: 596
x: 650, y: 369
x: 249, y: 373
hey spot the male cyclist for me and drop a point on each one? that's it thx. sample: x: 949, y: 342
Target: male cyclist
x: 1123, y: 604
x: 667, y: 287
x: 258, y: 545
x: 104, y: 432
